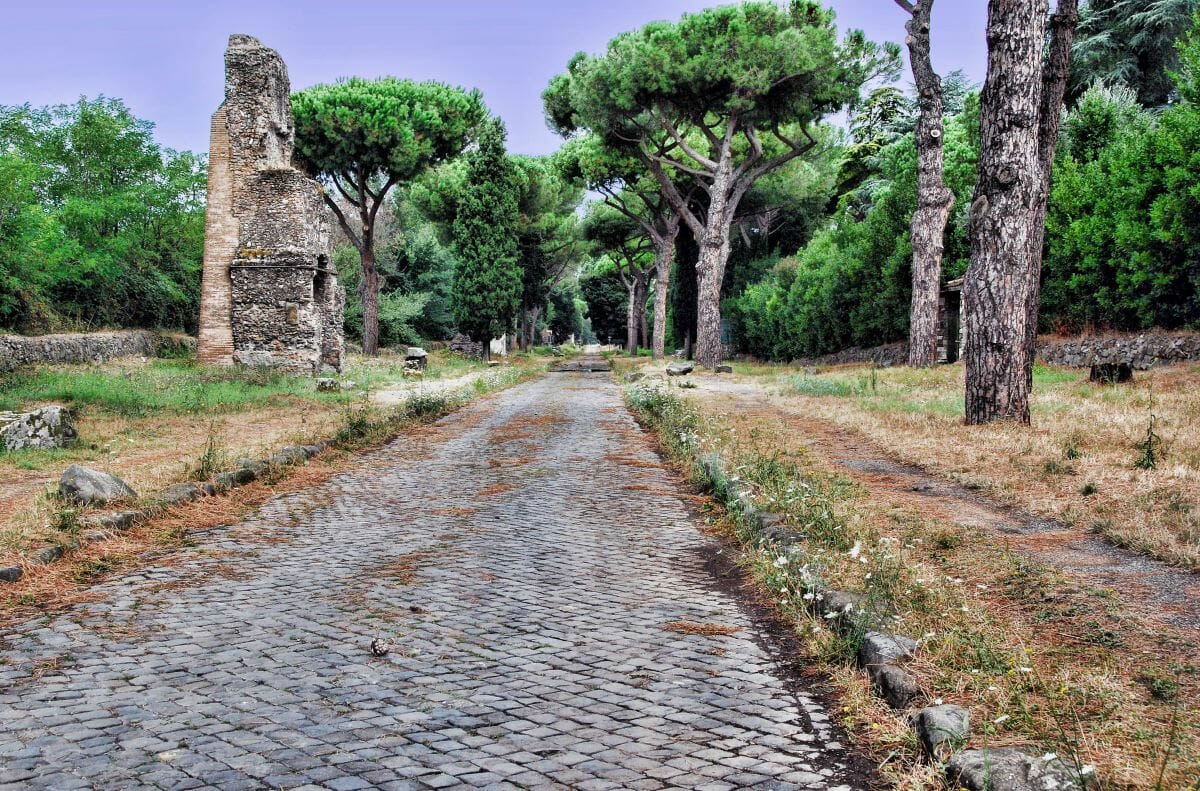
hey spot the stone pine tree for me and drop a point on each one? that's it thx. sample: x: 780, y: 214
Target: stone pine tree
x: 363, y: 137
x: 746, y: 81
x: 627, y: 188
x: 487, y: 280
x: 1019, y: 110
x: 632, y: 253
x: 934, y: 198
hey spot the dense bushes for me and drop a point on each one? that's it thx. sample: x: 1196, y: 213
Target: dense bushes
x: 850, y: 285
x: 98, y: 225
x: 1122, y: 241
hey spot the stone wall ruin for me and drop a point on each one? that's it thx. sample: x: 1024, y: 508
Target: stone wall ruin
x: 269, y: 296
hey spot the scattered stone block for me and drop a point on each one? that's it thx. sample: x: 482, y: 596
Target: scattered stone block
x: 328, y: 385
x: 179, y: 493
x: 47, y: 555
x: 85, y: 486
x: 416, y: 357
x: 1111, y: 373
x: 11, y: 574
x: 634, y: 376
x: 47, y: 427
x: 680, y: 369
x: 942, y: 730
x: 1010, y: 769
x: 116, y: 522
x: 723, y: 369
x: 842, y: 610
x: 881, y: 648
x: 895, y: 685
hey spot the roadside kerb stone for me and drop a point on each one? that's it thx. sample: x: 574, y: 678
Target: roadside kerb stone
x: 1011, y: 769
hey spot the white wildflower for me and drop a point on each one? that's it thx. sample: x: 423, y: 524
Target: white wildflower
x: 856, y: 550
x: 1000, y: 719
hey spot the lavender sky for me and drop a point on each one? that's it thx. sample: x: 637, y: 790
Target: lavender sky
x: 164, y: 57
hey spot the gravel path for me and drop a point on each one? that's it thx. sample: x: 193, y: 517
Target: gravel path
x: 554, y: 619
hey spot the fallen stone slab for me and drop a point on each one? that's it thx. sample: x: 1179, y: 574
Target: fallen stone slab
x: 45, y: 428
x: 680, y: 369
x: 1011, y: 769
x: 942, y: 730
x: 881, y: 648
x: 85, y: 486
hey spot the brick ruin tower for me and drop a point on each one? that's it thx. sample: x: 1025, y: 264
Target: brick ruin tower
x: 269, y: 295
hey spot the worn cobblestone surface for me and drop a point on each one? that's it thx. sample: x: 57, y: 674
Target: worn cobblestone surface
x: 529, y: 626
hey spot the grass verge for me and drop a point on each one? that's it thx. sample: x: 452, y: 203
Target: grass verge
x: 1039, y: 659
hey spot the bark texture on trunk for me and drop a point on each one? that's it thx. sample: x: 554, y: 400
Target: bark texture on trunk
x: 1054, y: 88
x: 996, y: 292
x: 368, y: 291
x: 631, y: 326
x: 934, y: 199
x: 710, y: 269
x: 643, y: 328
x: 662, y: 283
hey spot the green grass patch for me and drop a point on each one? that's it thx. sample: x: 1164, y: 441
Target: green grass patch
x: 161, y: 386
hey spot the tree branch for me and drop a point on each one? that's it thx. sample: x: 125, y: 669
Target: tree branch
x: 674, y: 133
x: 346, y: 229
x: 907, y: 6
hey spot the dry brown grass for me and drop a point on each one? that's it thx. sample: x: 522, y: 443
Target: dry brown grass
x: 629, y: 460
x: 494, y: 489
x: 1075, y: 464
x: 403, y: 569
x: 453, y: 512
x: 702, y: 629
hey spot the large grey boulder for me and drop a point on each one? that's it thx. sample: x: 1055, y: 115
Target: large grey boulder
x: 1011, y: 769
x: 942, y: 729
x: 85, y: 486
x: 680, y: 369
x: 47, y: 427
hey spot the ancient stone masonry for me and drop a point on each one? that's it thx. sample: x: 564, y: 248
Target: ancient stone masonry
x: 269, y: 295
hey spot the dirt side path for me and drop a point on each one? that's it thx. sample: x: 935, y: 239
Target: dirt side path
x: 1153, y: 591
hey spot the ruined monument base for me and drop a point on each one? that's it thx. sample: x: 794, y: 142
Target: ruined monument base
x: 269, y: 294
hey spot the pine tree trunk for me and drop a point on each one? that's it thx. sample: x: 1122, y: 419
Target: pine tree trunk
x: 662, y: 283
x: 643, y: 287
x: 710, y: 268
x: 996, y: 293
x: 934, y: 199
x: 631, y: 328
x: 368, y: 291
x: 1054, y: 88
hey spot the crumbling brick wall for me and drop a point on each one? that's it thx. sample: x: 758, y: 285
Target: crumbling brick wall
x: 269, y: 294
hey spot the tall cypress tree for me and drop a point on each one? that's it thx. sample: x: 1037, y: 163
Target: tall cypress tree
x: 487, y: 283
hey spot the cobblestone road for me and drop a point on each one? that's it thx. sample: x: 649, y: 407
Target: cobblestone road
x: 526, y: 559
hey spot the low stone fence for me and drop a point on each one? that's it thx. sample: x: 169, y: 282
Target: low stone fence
x: 1141, y: 351
x: 85, y: 347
